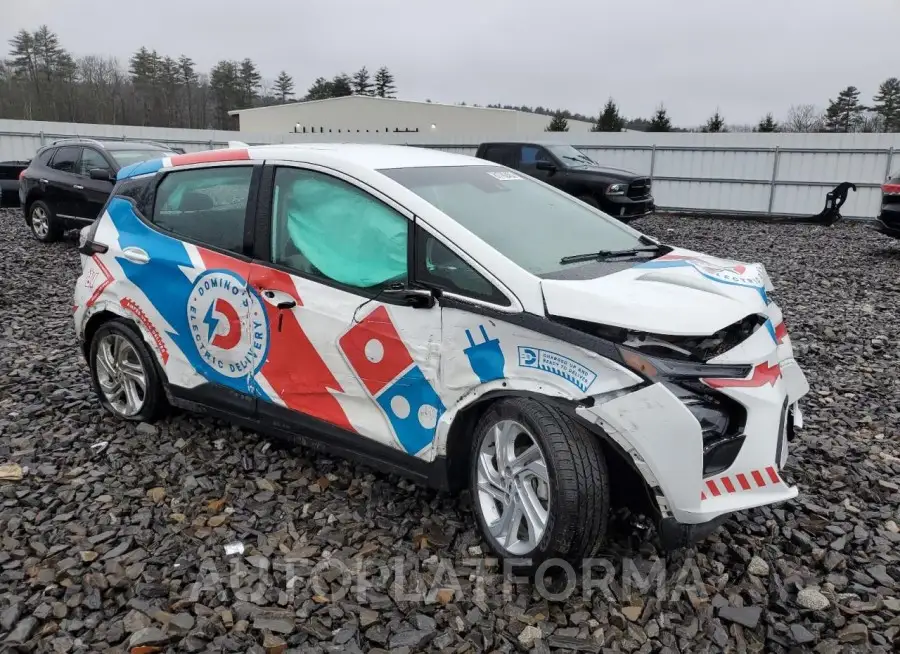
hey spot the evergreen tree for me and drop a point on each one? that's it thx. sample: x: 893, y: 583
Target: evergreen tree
x: 384, y: 83
x: 341, y: 86
x: 660, y: 121
x: 250, y: 81
x: 609, y: 120
x: 320, y: 90
x: 284, y: 86
x: 716, y: 123
x: 187, y: 77
x: 887, y: 104
x: 767, y: 124
x: 227, y: 89
x: 362, y: 82
x: 558, y: 123
x: 845, y: 113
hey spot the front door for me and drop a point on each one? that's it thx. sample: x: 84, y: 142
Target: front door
x: 341, y: 352
x: 530, y: 156
x: 93, y: 192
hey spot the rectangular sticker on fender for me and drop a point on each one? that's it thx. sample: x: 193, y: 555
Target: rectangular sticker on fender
x: 556, y: 364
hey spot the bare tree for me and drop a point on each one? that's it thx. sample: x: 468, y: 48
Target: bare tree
x: 804, y: 118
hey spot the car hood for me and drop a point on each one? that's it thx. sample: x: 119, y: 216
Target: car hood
x: 682, y: 293
x: 605, y: 171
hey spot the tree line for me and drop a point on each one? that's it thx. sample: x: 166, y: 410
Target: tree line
x: 844, y: 114
x: 41, y: 80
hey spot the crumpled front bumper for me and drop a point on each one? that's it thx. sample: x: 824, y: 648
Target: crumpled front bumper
x: 665, y: 442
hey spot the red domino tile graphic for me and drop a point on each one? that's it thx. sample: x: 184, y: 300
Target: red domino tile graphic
x: 375, y: 351
x: 730, y: 484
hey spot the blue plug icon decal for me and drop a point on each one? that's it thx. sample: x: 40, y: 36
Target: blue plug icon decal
x: 486, y: 358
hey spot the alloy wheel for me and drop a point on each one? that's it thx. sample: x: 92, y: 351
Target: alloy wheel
x: 513, y: 487
x: 40, y: 221
x: 121, y: 375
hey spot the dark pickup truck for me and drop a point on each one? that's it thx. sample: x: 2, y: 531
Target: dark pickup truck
x: 9, y: 182
x: 620, y: 193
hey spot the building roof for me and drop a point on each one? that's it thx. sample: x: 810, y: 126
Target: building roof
x: 375, y: 99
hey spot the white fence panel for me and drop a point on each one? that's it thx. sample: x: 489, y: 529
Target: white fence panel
x: 781, y: 174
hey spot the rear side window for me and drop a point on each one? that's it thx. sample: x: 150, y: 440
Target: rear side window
x: 139, y: 191
x: 66, y: 159
x: 505, y: 155
x: 205, y: 205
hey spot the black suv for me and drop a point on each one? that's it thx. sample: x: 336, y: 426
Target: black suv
x: 620, y: 193
x: 67, y: 183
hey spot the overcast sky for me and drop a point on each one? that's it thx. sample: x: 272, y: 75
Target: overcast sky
x: 746, y: 57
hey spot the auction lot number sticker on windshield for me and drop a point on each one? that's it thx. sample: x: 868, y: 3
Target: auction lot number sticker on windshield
x: 504, y: 176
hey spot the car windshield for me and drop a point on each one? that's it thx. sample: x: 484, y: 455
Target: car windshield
x: 571, y: 156
x: 533, y: 225
x: 128, y: 157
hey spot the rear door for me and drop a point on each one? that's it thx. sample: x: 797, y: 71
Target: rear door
x: 93, y: 192
x: 184, y: 272
x: 62, y: 178
x: 343, y: 350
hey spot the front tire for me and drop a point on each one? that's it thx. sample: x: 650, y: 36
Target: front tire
x: 44, y: 224
x: 124, y: 373
x: 540, y: 486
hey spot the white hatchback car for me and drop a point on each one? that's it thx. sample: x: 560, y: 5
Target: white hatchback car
x: 447, y: 318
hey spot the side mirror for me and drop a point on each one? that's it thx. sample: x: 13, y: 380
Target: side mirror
x: 101, y: 174
x: 417, y: 298
x: 546, y: 165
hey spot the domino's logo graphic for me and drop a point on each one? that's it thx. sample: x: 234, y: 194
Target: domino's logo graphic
x: 379, y: 358
x: 228, y: 324
x: 556, y: 364
x: 486, y: 358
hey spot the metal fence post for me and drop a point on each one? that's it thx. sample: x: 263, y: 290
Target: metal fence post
x: 43, y: 142
x: 652, y: 162
x: 774, y: 179
x: 890, y: 163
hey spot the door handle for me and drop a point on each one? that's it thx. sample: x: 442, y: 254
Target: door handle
x: 78, y: 186
x: 43, y: 181
x: 135, y: 255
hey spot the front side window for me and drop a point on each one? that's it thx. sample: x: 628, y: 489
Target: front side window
x: 91, y: 159
x: 531, y: 154
x: 332, y: 230
x: 206, y: 205
x: 530, y: 224
x: 66, y: 159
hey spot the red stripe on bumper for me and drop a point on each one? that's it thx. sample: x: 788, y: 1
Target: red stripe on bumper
x: 726, y: 482
x: 773, y: 475
x: 711, y: 485
x: 742, y: 480
x: 758, y: 478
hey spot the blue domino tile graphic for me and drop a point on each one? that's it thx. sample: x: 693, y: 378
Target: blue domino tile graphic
x: 413, y: 408
x: 486, y: 358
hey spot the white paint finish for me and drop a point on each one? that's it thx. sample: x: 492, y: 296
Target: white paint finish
x: 20, y: 139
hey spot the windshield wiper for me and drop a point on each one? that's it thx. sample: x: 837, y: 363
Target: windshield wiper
x: 602, y: 255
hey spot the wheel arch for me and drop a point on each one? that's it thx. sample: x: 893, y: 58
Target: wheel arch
x: 628, y: 487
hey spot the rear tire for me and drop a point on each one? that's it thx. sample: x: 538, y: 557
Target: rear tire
x: 575, y: 484
x: 124, y: 373
x: 43, y: 222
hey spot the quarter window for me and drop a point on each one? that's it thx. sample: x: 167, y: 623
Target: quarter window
x: 326, y: 228
x: 440, y: 267
x: 207, y: 205
x: 66, y: 159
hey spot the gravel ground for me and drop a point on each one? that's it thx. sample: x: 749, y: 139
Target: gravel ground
x: 114, y: 538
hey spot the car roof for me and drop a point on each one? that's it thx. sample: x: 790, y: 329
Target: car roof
x: 366, y: 155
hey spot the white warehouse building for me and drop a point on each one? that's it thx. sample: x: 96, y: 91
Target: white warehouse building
x: 361, y: 113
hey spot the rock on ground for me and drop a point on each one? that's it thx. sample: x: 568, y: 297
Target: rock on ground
x: 115, y: 533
